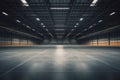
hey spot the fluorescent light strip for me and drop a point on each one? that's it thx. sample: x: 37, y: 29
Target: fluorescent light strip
x: 43, y: 26
x: 100, y: 21
x: 24, y: 3
x: 59, y: 8
x: 33, y: 29
x: 38, y: 19
x: 50, y: 34
x: 112, y: 13
x: 75, y: 26
x: 28, y: 27
x: 46, y: 29
x: 5, y: 13
x: 18, y: 21
x: 77, y: 23
x: 60, y: 29
x: 72, y: 29
x: 90, y: 26
x: 94, y: 3
x: 81, y: 19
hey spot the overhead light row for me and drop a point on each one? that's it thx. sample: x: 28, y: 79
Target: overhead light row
x: 42, y: 24
x: 59, y: 8
x: 4, y: 13
x: 25, y: 25
x: 81, y: 19
x: 49, y: 33
x: 99, y: 21
x: 38, y: 19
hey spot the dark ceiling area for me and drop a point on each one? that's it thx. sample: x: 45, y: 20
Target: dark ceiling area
x: 59, y: 19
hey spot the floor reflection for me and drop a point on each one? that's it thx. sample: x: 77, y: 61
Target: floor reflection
x: 60, y: 62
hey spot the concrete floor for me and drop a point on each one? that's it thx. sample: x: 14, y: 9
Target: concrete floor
x: 59, y: 62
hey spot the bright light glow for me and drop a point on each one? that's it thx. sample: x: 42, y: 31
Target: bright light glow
x: 42, y: 24
x: 5, y: 13
x: 94, y: 3
x: 81, y: 19
x: 33, y: 29
x: 28, y: 27
x: 100, y: 21
x: 59, y: 8
x: 37, y: 19
x: 59, y: 56
x: 75, y: 26
x: 18, y: 21
x: 77, y: 23
x: 112, y: 13
x: 91, y: 26
x: 24, y: 3
x: 46, y: 29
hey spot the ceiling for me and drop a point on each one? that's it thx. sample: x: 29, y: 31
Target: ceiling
x: 60, y: 19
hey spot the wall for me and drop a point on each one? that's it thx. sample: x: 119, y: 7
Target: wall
x: 107, y: 39
x: 13, y: 39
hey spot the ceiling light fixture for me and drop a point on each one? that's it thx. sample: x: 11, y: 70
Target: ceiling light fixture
x: 100, y: 21
x: 59, y: 8
x: 75, y: 26
x: 85, y: 29
x: 18, y: 21
x: 72, y: 29
x: 77, y: 23
x: 81, y: 19
x: 91, y: 26
x: 33, y: 29
x: 28, y: 27
x: 60, y: 29
x: 46, y: 29
x: 38, y: 19
x: 5, y: 13
x: 24, y: 3
x: 50, y: 34
x: 42, y: 24
x: 94, y: 3
x: 112, y: 13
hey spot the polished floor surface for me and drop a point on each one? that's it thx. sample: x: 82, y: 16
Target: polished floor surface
x: 59, y: 62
